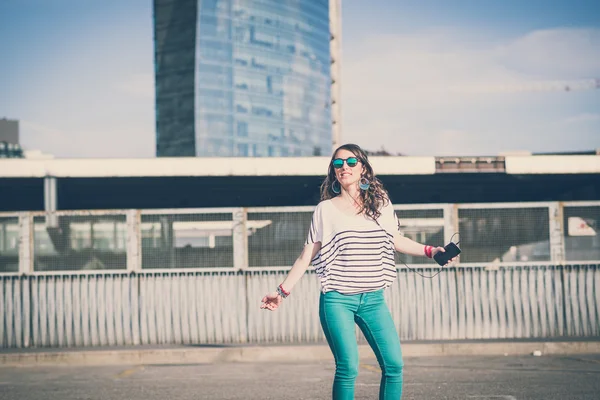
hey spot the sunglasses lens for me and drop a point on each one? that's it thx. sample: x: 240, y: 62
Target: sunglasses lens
x: 352, y: 161
x: 338, y: 163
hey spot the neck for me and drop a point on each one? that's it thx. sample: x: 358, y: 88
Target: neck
x: 352, y: 194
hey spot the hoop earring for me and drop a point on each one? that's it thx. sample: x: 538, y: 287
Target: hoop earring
x: 336, y: 189
x: 364, y: 183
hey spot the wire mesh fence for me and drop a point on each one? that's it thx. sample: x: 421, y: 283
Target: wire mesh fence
x: 9, y: 244
x: 274, y: 237
x: 581, y: 225
x: 80, y: 242
x: 504, y: 234
x: 191, y: 240
x: 423, y: 226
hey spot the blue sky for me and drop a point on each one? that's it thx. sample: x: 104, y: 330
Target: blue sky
x: 418, y: 77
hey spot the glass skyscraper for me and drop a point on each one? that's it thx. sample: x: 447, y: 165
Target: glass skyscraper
x: 243, y: 77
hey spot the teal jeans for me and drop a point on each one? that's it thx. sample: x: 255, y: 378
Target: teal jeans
x: 339, y: 313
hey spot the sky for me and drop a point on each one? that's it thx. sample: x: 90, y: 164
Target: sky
x: 421, y: 78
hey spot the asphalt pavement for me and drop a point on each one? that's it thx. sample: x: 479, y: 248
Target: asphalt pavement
x: 553, y: 377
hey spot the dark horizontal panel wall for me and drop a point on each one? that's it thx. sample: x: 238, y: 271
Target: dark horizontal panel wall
x: 185, y: 192
x: 22, y: 194
x: 182, y: 192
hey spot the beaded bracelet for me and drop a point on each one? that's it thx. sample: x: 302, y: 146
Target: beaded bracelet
x: 282, y: 292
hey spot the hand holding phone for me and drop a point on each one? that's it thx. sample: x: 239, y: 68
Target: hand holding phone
x: 442, y: 257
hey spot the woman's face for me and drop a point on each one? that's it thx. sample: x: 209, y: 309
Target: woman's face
x: 347, y: 175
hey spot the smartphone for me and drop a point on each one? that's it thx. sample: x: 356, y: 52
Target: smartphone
x: 452, y: 251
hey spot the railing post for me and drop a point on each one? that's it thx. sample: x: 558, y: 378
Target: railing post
x: 557, y: 232
x: 451, y: 223
x: 240, y: 239
x: 26, y: 266
x: 240, y: 259
x: 26, y: 243
x: 50, y: 201
x: 134, y: 241
x: 134, y: 267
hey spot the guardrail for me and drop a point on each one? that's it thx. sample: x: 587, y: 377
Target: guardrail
x: 121, y: 308
x: 106, y: 278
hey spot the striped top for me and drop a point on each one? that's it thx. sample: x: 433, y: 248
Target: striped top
x: 357, y: 253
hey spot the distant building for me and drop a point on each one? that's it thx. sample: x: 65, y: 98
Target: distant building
x: 9, y: 139
x: 9, y: 131
x: 250, y: 78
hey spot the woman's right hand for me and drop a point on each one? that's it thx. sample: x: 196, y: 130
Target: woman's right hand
x: 271, y: 301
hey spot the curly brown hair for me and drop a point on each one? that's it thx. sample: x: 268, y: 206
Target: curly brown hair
x: 373, y: 199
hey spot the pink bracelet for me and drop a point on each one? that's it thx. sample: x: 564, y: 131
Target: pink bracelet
x: 428, y: 250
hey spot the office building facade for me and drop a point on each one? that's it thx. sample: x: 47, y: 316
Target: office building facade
x: 244, y: 78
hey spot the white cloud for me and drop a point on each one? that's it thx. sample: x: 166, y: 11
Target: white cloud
x: 554, y: 53
x: 406, y: 92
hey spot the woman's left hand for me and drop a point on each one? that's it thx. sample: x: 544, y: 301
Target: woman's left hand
x: 436, y: 250
x: 271, y: 301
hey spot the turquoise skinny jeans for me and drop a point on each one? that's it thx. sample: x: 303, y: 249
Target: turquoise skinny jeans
x: 339, y: 313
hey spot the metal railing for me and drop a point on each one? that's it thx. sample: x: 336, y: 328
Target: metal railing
x: 196, y: 276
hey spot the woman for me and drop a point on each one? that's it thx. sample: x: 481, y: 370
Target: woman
x: 351, y: 243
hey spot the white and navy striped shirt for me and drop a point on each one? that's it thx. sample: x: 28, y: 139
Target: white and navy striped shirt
x: 357, y: 253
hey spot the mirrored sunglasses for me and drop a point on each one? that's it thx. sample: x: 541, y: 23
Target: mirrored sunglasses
x: 339, y: 162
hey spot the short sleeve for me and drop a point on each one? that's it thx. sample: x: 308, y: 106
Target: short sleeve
x: 315, y: 233
x: 388, y: 219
